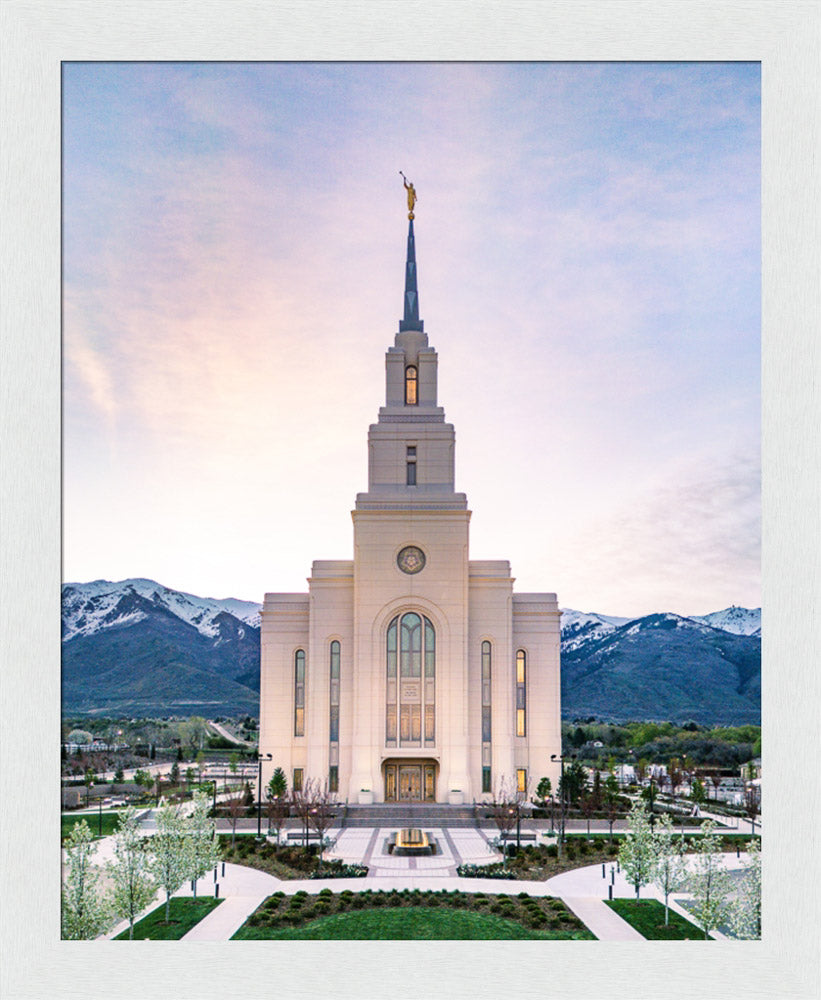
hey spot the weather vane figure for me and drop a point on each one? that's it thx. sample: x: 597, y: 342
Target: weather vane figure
x: 411, y: 195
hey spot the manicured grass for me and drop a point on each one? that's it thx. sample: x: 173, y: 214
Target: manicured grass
x: 647, y: 917
x: 405, y: 924
x: 411, y: 915
x: 69, y: 820
x: 185, y: 914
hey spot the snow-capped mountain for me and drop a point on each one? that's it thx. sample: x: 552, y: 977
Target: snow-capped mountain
x: 579, y: 627
x: 664, y: 667
x: 740, y: 621
x: 138, y: 647
x: 90, y: 607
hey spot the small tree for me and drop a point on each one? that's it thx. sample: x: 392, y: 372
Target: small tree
x: 89, y: 779
x: 504, y: 810
x: 320, y: 811
x: 697, y: 793
x: 637, y: 852
x: 752, y: 803
x: 670, y: 870
x: 170, y: 861
x: 204, y: 849
x: 674, y: 774
x: 543, y: 791
x: 84, y: 913
x: 175, y: 772
x: 133, y: 886
x: 236, y: 808
x: 611, y: 801
x: 587, y: 805
x: 278, y: 785
x: 745, y: 918
x: 573, y: 782
x: 119, y: 775
x: 649, y: 794
x: 709, y: 882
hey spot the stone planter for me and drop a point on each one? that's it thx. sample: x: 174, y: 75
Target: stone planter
x: 365, y: 797
x: 455, y: 798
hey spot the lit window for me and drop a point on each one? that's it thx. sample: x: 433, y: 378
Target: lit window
x: 296, y: 784
x: 410, y: 704
x: 521, y: 780
x: 411, y: 385
x: 299, y: 693
x: 521, y: 693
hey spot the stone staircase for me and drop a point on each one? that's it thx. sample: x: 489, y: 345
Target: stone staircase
x: 395, y: 815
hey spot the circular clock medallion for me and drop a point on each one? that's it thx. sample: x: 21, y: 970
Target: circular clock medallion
x: 411, y: 559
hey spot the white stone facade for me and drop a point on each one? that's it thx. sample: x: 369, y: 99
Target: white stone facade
x: 338, y: 705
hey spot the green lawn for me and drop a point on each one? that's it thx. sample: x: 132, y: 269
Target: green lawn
x: 185, y: 914
x: 647, y: 916
x: 69, y: 820
x: 406, y: 924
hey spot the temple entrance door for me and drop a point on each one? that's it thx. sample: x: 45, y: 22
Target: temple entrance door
x: 410, y: 783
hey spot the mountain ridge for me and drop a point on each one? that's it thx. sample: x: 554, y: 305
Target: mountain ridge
x: 136, y: 645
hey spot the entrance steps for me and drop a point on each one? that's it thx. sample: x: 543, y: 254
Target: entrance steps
x: 409, y: 814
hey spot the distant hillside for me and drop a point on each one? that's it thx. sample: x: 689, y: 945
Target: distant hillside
x: 139, y: 648
x: 662, y: 667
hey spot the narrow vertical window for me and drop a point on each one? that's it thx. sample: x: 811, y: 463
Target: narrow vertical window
x: 296, y: 784
x: 299, y: 693
x: 333, y: 778
x: 486, y: 702
x: 521, y: 780
x: 521, y: 693
x: 410, y: 466
x: 334, y: 693
x: 486, y: 782
x: 411, y: 385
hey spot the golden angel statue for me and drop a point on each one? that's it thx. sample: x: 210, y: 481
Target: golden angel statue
x: 411, y: 195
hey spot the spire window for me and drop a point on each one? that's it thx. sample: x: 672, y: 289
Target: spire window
x: 411, y: 386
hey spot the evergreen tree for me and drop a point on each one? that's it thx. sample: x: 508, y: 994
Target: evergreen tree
x: 133, y: 886
x: 709, y: 882
x: 84, y: 913
x: 637, y: 852
x: 278, y: 785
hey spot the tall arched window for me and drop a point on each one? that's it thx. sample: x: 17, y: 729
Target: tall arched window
x: 411, y: 681
x: 411, y: 385
x: 486, y: 704
x: 299, y: 692
x: 333, y: 727
x: 521, y: 693
x: 334, y: 693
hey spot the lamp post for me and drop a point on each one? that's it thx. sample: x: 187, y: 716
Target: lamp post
x: 267, y: 756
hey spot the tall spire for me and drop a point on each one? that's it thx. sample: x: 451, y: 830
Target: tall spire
x: 411, y: 319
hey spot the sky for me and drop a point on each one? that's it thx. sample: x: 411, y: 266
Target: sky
x: 588, y: 248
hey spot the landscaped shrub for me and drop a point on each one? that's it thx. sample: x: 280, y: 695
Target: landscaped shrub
x: 552, y: 850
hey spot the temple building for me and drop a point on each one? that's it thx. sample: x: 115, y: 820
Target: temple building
x: 411, y: 672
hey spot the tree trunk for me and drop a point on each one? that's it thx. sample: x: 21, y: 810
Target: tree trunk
x: 167, y: 907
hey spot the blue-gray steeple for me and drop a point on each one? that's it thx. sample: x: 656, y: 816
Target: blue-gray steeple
x: 411, y: 319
